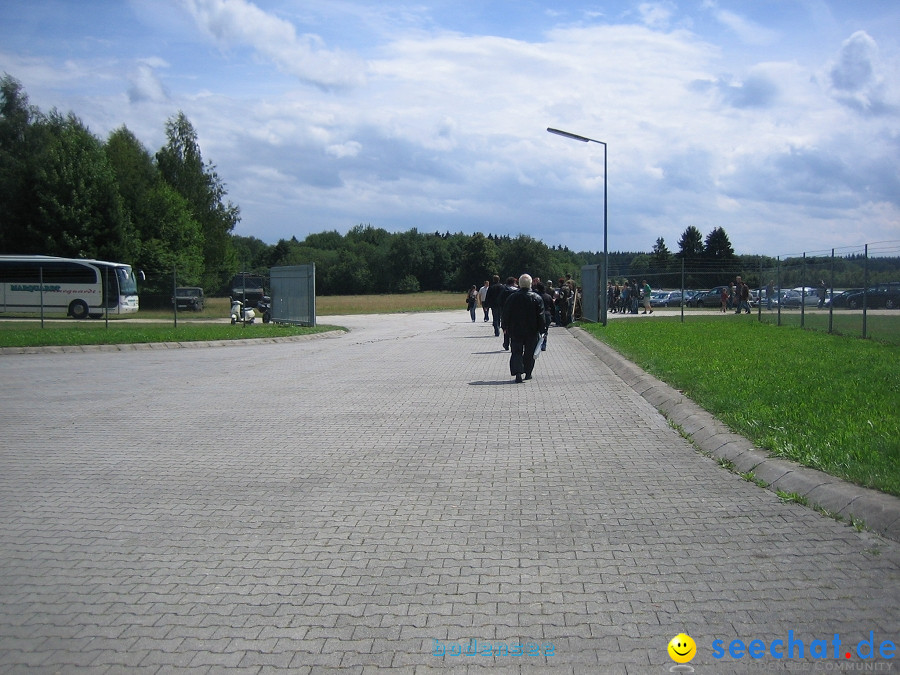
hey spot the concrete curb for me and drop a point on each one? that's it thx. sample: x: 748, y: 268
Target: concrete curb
x: 157, y: 346
x: 880, y: 512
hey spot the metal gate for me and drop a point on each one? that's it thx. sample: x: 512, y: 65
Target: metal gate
x: 591, y: 294
x: 294, y: 294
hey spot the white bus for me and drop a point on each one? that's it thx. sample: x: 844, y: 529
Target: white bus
x: 79, y: 288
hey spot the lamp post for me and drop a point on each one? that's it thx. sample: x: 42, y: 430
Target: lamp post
x: 603, y: 278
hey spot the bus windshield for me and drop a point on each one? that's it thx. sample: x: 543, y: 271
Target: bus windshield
x: 127, y: 282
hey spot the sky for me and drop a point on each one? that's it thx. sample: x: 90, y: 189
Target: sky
x: 777, y: 120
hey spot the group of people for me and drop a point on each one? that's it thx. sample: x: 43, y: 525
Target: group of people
x: 628, y: 297
x: 523, y: 310
x: 736, y: 296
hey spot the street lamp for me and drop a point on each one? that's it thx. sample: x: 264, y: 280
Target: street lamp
x: 603, y: 279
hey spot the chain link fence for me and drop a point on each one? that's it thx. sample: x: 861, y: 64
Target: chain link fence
x: 853, y: 291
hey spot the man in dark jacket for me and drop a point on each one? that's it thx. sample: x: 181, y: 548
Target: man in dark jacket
x: 523, y: 319
x: 492, y: 300
x: 512, y: 285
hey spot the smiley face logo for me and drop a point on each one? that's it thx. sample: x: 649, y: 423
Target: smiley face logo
x: 682, y: 648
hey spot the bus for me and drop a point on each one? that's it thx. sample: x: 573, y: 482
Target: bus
x: 79, y: 287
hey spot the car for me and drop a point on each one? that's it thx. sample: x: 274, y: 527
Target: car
x: 693, y: 296
x: 712, y: 298
x: 665, y: 299
x: 189, y: 297
x: 248, y: 288
x: 840, y: 300
x: 793, y: 299
x: 876, y: 297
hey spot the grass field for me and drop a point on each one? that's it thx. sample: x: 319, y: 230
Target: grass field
x: 329, y: 305
x: 825, y: 401
x: 68, y: 333
x: 883, y: 326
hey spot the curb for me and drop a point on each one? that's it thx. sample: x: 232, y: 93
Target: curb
x: 879, y: 512
x: 161, y: 346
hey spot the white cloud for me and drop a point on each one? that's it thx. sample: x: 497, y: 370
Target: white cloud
x: 145, y: 85
x: 656, y: 14
x: 241, y: 23
x: 855, y: 75
x: 446, y: 131
x: 749, y: 32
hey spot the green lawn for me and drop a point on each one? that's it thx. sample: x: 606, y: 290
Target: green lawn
x: 68, y: 332
x: 825, y: 401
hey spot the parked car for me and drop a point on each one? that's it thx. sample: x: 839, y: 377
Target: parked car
x: 695, y: 295
x: 712, y: 298
x: 188, y: 297
x: 665, y: 299
x: 793, y: 299
x: 876, y: 297
x: 840, y: 300
x: 247, y: 288
x: 689, y: 295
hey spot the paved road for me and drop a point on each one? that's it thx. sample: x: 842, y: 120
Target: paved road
x: 387, y: 498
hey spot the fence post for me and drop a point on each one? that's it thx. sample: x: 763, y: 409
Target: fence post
x: 682, y: 289
x: 831, y: 304
x: 41, y: 284
x: 778, y: 287
x: 803, y: 292
x: 759, y: 293
x: 175, y: 294
x: 865, y: 291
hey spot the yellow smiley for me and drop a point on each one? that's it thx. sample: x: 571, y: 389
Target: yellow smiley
x: 682, y: 648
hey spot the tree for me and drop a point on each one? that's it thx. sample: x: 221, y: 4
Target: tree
x: 691, y: 244
x: 525, y: 254
x: 167, y: 238
x: 17, y: 167
x: 182, y: 167
x: 349, y: 275
x: 78, y: 210
x: 661, y: 254
x: 717, y: 246
x: 251, y: 253
x: 478, y: 261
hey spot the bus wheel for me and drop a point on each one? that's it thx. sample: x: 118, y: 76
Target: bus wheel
x: 78, y: 310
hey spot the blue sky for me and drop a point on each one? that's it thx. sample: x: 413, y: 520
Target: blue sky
x: 779, y: 121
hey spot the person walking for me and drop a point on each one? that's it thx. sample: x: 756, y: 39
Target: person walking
x: 523, y: 321
x: 822, y: 292
x: 645, y: 292
x: 492, y: 298
x: 472, y: 301
x: 770, y: 294
x: 482, y: 296
x: 512, y: 285
x: 742, y: 292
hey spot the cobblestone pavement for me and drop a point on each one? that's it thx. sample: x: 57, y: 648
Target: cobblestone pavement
x: 387, y: 498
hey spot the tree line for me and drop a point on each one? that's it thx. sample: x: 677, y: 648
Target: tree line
x: 66, y: 192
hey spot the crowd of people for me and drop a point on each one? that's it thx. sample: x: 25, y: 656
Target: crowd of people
x: 522, y: 310
x: 628, y: 297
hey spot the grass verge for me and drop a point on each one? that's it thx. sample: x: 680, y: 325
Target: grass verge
x: 825, y: 401
x: 71, y: 333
